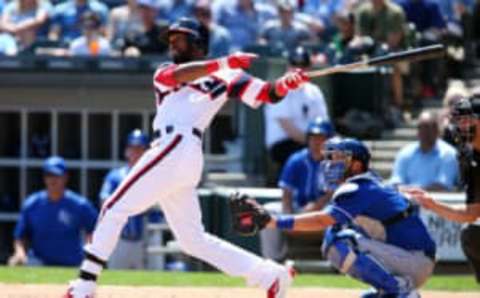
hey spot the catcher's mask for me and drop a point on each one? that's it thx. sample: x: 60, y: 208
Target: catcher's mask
x: 464, y: 121
x: 338, y: 157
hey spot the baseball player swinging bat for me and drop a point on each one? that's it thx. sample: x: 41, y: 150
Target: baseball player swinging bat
x: 418, y: 54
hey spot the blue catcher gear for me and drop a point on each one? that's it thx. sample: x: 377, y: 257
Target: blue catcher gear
x: 338, y: 156
x: 341, y: 249
x: 320, y: 127
x: 137, y: 138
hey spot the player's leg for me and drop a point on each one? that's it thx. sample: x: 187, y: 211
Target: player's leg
x: 343, y: 251
x: 272, y: 241
x: 183, y: 214
x: 147, y: 180
x: 471, y: 246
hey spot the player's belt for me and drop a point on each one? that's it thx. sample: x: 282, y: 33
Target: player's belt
x: 171, y: 128
x: 400, y: 216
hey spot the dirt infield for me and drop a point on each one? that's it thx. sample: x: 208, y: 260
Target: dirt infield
x: 56, y: 291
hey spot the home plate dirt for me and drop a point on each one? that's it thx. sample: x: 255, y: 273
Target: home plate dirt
x: 56, y: 291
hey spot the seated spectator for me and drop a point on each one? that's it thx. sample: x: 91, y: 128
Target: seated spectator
x: 325, y: 11
x: 430, y: 25
x: 384, y: 21
x: 455, y: 92
x: 220, y: 39
x: 67, y: 17
x: 25, y: 19
x: 129, y: 252
x: 430, y: 163
x: 151, y: 41
x: 52, y: 222
x: 8, y: 45
x: 303, y: 186
x: 124, y: 21
x: 286, y: 122
x: 285, y: 33
x: 91, y: 43
x: 172, y: 10
x: 244, y: 18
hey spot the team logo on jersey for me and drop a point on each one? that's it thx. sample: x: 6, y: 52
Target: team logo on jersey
x: 212, y: 86
x: 64, y: 217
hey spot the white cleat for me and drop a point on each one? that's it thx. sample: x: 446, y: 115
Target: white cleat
x: 81, y: 289
x: 280, y: 286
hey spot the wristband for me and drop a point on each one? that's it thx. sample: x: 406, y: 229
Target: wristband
x: 285, y: 222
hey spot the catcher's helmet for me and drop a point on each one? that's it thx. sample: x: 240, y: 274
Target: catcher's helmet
x: 357, y: 149
x: 320, y: 127
x: 197, y: 33
x: 137, y: 138
x: 300, y: 57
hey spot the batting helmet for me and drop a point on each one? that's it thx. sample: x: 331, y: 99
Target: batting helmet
x: 300, y: 57
x: 197, y: 33
x: 137, y: 138
x: 320, y: 127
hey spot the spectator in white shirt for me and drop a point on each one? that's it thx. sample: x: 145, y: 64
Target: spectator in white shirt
x: 91, y: 43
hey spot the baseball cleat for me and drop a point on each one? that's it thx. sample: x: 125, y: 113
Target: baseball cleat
x: 80, y: 289
x: 279, y: 287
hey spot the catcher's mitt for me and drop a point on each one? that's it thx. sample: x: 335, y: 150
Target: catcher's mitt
x: 248, y: 216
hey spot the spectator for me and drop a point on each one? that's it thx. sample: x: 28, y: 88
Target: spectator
x: 52, y: 221
x: 324, y: 10
x: 151, y: 41
x: 430, y: 163
x: 8, y: 45
x: 124, y: 21
x: 220, y: 39
x: 286, y: 122
x: 172, y: 10
x: 303, y: 186
x: 284, y: 33
x: 24, y: 19
x: 129, y: 252
x: 243, y: 19
x: 430, y: 24
x: 67, y: 17
x: 384, y: 21
x: 91, y: 43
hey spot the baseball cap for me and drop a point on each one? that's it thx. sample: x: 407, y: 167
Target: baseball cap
x: 320, y: 127
x: 137, y: 138
x: 55, y: 165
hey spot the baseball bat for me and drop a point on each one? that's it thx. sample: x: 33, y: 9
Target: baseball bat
x: 411, y: 55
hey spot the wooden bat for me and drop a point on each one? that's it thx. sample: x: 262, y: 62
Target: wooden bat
x: 411, y: 55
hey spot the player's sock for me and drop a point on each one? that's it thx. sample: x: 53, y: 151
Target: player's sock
x: 91, y: 267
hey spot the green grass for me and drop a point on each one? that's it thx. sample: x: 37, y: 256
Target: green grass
x: 30, y: 275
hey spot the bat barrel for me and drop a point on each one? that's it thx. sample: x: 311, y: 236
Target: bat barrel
x: 428, y: 52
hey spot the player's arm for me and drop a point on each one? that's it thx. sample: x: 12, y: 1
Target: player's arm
x: 19, y: 256
x: 173, y: 75
x: 313, y: 221
x: 465, y: 213
x: 292, y: 130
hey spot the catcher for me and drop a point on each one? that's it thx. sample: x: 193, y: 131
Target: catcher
x: 374, y: 232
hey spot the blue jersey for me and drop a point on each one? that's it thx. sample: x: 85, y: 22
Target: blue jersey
x: 365, y: 195
x: 304, y: 177
x: 133, y: 229
x: 54, y: 229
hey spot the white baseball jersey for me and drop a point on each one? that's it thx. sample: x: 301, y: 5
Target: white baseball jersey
x: 194, y: 104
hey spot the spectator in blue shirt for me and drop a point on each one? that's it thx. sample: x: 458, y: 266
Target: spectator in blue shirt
x: 53, y: 222
x: 67, y: 18
x: 430, y: 163
x: 27, y: 20
x: 173, y: 10
x: 303, y: 186
x: 244, y: 19
x: 129, y: 251
x: 220, y: 39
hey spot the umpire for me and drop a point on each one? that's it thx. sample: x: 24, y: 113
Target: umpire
x: 466, y: 119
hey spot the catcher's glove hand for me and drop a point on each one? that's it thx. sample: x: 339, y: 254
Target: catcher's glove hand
x: 248, y: 216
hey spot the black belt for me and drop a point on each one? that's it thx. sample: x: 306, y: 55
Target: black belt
x: 400, y: 216
x: 430, y: 255
x: 170, y: 129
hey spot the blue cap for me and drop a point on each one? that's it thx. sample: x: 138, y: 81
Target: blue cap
x: 320, y: 127
x: 55, y: 165
x: 137, y: 138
